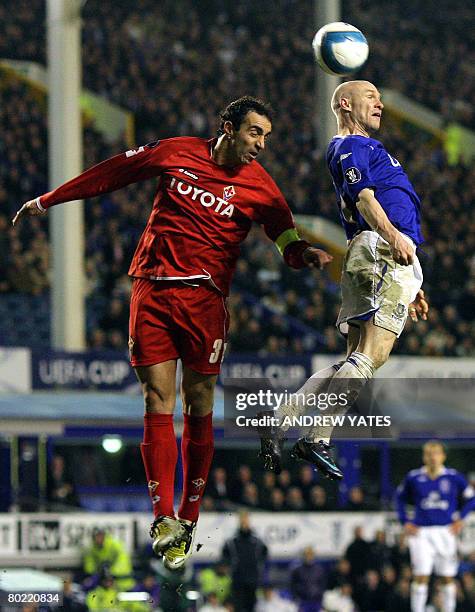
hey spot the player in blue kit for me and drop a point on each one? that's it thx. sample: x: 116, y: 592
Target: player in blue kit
x: 381, y: 278
x: 441, y: 498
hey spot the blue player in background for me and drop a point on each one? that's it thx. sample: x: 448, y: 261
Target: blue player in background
x: 442, y: 498
x: 381, y: 277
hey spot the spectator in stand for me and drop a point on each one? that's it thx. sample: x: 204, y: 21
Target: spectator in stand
x: 400, y: 554
x: 271, y: 601
x: 467, y: 563
x: 306, y: 481
x: 339, y: 599
x: 284, y: 481
x: 468, y: 589
x: 246, y: 555
x: 244, y: 476
x: 250, y: 496
x: 217, y: 489
x: 318, y: 501
x: 212, y: 604
x: 358, y: 554
x: 370, y: 594
x: 107, y: 556
x: 73, y: 597
x: 340, y: 574
x: 307, y: 582
x: 388, y: 580
x: 276, y: 501
x: 381, y: 553
x: 116, y: 319
x: 357, y: 502
x: 268, y: 483
x: 208, y: 504
x: 149, y: 585
x: 294, y: 499
x: 400, y: 599
x: 105, y: 596
x: 60, y: 488
x: 216, y: 580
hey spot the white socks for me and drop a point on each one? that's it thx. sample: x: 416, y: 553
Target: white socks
x: 419, y: 597
x: 449, y: 597
x: 348, y: 381
x: 316, y: 384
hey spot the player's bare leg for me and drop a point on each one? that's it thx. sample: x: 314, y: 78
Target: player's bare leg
x: 159, y: 449
x: 373, y: 347
x: 197, y: 446
x: 158, y: 387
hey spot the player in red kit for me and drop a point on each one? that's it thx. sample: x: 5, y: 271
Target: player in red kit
x: 208, y: 195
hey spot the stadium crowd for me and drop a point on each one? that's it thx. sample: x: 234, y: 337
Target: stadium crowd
x: 372, y: 575
x: 276, y: 65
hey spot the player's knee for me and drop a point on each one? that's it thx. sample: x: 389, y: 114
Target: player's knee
x: 198, y: 398
x: 421, y: 579
x: 156, y: 400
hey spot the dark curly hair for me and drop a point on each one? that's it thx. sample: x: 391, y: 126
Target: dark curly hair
x: 237, y: 110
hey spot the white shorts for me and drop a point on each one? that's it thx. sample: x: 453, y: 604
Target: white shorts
x: 434, y: 550
x: 374, y: 286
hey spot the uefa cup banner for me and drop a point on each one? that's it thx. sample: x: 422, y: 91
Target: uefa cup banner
x: 94, y: 370
x: 111, y: 370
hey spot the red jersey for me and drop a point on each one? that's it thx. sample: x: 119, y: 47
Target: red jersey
x: 201, y: 212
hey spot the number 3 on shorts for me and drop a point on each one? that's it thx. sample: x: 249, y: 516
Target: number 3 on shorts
x: 217, y: 346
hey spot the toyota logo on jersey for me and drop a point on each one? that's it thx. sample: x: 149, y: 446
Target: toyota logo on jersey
x: 205, y: 198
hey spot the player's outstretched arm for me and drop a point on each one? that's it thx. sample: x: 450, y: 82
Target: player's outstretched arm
x: 374, y: 215
x: 110, y: 175
x: 29, y: 209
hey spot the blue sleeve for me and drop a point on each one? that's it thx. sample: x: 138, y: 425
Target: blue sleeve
x: 356, y: 171
x: 402, y: 498
x: 467, y: 495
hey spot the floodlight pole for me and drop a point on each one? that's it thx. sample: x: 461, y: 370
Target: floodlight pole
x: 326, y: 11
x: 65, y: 161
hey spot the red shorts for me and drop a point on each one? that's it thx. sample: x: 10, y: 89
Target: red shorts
x: 174, y: 320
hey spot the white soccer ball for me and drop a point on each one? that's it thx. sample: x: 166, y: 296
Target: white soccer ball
x: 340, y: 48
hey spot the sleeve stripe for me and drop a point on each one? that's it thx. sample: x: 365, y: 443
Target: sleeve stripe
x: 38, y: 205
x: 290, y: 235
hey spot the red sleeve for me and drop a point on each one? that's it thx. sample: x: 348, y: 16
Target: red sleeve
x: 114, y: 173
x: 279, y: 225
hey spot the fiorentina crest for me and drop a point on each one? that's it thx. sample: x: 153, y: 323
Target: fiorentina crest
x: 228, y: 192
x: 199, y: 482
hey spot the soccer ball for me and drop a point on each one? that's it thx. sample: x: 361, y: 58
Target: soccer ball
x: 340, y: 48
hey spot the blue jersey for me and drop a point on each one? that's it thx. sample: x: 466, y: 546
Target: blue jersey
x: 358, y: 162
x: 437, y: 501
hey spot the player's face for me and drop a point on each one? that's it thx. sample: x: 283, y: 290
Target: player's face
x: 251, y: 137
x: 433, y: 457
x: 366, y: 107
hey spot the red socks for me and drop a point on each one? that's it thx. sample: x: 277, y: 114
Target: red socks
x: 160, y: 454
x: 197, y: 447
